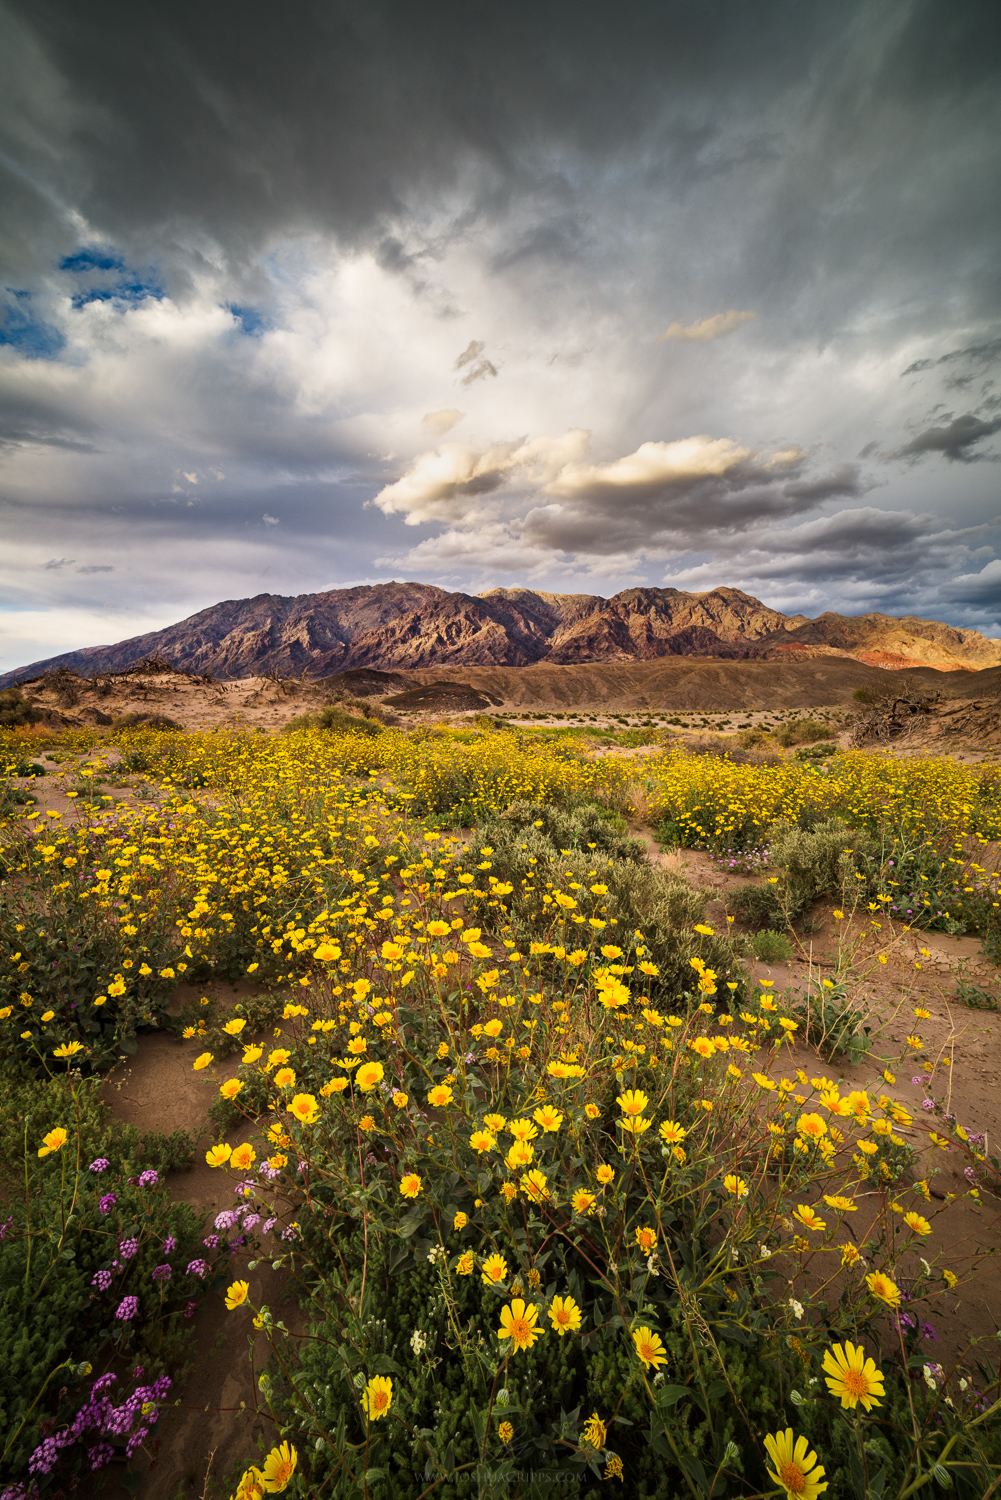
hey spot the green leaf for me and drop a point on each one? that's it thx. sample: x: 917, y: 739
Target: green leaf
x: 670, y: 1395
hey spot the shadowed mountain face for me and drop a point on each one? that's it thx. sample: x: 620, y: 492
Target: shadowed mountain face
x: 412, y: 626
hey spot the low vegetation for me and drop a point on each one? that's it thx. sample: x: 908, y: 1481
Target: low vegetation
x: 517, y: 1123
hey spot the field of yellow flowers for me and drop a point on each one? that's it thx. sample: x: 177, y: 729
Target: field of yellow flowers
x: 513, y: 1117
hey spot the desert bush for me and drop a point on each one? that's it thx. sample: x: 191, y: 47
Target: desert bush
x: 150, y: 721
x: 753, y: 739
x: 584, y: 851
x: 16, y: 710
x: 829, y: 860
x: 771, y: 946
x: 758, y: 905
x: 801, y: 731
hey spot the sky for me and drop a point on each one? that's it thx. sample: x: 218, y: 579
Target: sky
x: 575, y: 297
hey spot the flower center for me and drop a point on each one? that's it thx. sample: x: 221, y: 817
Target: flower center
x: 792, y: 1477
x: 519, y: 1330
x: 381, y: 1401
x: 563, y: 1318
x: 856, y: 1382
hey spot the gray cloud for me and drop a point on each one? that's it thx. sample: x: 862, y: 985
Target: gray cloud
x: 955, y: 440
x: 55, y: 563
x: 984, y: 354
x: 97, y: 568
x: 292, y: 227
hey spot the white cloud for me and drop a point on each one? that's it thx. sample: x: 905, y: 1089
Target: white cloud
x: 706, y: 329
x: 440, y: 422
x: 552, y: 495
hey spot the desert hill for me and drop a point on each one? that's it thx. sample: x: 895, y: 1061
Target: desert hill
x: 414, y: 626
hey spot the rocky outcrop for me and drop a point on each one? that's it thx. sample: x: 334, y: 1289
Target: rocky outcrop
x: 414, y: 626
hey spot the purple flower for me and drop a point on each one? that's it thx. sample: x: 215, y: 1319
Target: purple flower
x: 189, y: 1311
x: 210, y: 1241
x: 101, y: 1164
x: 102, y: 1280
x: 917, y: 1082
x: 226, y: 1219
x: 928, y: 1104
x: 128, y: 1309
x: 162, y: 1273
x: 149, y: 1179
x: 128, y: 1248
x: 99, y: 1455
x: 197, y: 1268
x: 268, y: 1225
x: 250, y: 1220
x: 107, y: 1203
x: 169, y: 1245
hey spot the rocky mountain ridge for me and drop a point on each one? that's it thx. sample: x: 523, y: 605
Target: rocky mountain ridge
x: 411, y: 626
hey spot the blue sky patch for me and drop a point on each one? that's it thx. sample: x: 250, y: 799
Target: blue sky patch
x: 250, y: 320
x: 113, y: 281
x: 131, y: 292
x: 92, y: 260
x: 23, y: 329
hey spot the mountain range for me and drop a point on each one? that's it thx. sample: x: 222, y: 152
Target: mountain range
x: 416, y: 625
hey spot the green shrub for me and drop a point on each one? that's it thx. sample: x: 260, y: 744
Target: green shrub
x: 771, y: 946
x: 758, y: 904
x: 830, y: 859
x: 331, y: 717
x: 801, y: 731
x: 16, y: 710
x: 977, y: 997
x: 534, y: 843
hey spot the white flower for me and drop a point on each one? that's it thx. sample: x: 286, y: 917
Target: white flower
x: 765, y: 1253
x: 797, y: 1308
x: 925, y: 1264
x: 418, y: 1342
x: 650, y: 1265
x: 435, y: 1254
x: 929, y: 1378
x: 963, y: 1383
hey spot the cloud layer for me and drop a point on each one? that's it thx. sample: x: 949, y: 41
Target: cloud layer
x: 262, y: 272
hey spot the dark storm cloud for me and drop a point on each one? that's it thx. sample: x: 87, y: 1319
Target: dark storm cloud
x: 845, y: 480
x: 876, y: 559
x: 237, y: 119
x: 955, y: 440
